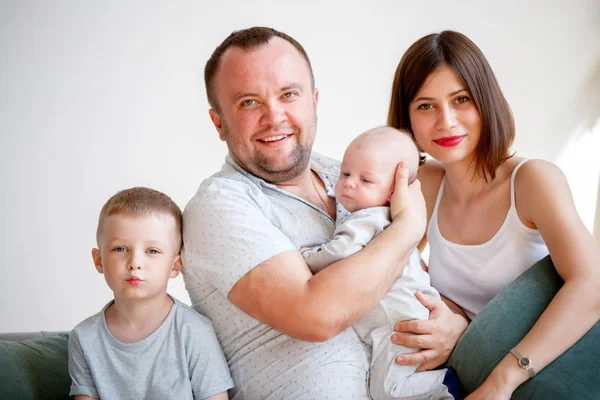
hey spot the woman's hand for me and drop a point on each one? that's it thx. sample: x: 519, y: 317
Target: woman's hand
x: 436, y: 336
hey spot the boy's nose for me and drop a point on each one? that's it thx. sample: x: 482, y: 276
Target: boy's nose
x: 134, y: 266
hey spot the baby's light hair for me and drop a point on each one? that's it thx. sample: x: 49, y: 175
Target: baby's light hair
x: 138, y: 202
x: 384, y: 130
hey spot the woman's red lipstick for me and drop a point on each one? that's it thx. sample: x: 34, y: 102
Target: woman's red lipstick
x: 449, y: 141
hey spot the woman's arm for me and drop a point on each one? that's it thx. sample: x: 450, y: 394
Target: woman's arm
x: 544, y: 201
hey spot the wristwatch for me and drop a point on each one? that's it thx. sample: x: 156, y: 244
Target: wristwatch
x: 524, y: 362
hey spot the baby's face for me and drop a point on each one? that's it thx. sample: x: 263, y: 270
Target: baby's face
x: 365, y: 179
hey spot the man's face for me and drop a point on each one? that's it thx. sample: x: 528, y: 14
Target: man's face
x: 266, y: 109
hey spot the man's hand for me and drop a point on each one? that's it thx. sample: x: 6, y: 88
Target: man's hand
x: 407, y: 204
x: 436, y: 336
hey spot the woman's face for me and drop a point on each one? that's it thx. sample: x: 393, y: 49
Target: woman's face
x: 444, y: 119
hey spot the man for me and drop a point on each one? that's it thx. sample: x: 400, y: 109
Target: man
x: 285, y: 333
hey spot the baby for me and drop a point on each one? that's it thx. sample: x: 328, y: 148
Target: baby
x: 144, y: 344
x: 363, y: 192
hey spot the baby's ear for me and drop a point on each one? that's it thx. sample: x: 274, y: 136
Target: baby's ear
x: 97, y: 260
x: 176, y: 267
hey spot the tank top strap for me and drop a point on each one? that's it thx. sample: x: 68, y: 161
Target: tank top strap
x: 512, y: 182
x: 439, y: 197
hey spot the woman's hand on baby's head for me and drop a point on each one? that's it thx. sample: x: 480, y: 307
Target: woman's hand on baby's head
x: 407, y: 202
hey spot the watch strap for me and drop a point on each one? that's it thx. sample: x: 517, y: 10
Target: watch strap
x: 524, y: 362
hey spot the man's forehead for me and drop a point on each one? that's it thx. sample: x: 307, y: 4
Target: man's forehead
x: 277, y: 54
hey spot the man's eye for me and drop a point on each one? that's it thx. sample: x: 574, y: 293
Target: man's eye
x: 425, y: 106
x: 248, y: 102
x: 289, y: 95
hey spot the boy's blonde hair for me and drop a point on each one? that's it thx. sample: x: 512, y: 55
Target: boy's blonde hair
x: 140, y: 201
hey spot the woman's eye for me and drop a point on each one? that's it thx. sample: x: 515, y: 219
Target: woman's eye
x: 462, y: 99
x: 425, y: 106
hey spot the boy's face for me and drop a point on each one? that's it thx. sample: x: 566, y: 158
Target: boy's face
x: 366, y: 179
x: 138, y: 255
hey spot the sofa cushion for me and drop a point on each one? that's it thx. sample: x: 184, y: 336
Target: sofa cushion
x: 506, y: 320
x: 35, y: 369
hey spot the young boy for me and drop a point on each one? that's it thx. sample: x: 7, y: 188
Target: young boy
x: 362, y: 193
x: 144, y: 344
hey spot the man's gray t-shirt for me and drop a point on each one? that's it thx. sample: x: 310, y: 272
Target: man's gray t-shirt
x: 235, y: 222
x: 182, y: 359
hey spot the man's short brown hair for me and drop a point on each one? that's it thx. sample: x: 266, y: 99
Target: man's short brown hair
x: 137, y: 202
x: 246, y: 39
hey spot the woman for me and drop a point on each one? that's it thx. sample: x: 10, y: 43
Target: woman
x: 491, y: 215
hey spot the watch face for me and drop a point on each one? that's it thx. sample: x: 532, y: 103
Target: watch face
x: 525, y: 362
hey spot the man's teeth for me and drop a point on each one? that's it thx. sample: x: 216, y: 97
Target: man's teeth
x: 272, y: 138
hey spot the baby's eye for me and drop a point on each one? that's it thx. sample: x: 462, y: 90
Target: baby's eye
x: 365, y: 180
x: 346, y: 174
x: 120, y: 249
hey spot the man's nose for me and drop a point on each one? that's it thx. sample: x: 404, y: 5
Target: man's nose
x: 274, y: 113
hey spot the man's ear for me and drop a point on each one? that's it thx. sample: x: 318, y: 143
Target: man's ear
x: 97, y: 260
x: 216, y: 120
x: 176, y: 267
x: 316, y: 97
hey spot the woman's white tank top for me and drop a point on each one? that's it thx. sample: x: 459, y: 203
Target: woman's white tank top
x: 471, y: 275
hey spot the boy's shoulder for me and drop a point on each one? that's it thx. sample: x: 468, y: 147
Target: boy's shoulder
x: 91, y: 325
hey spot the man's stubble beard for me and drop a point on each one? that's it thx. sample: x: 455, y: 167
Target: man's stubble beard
x: 260, y: 166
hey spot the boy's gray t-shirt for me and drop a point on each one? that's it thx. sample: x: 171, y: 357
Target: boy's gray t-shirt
x: 182, y: 359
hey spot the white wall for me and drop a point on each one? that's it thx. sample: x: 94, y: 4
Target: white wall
x: 98, y: 96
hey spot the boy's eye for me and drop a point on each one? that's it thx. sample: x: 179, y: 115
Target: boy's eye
x: 154, y: 251
x: 120, y: 249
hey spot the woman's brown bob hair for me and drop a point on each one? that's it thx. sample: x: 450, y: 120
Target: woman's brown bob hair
x: 468, y: 62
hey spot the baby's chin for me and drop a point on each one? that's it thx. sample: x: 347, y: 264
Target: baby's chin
x: 352, y: 205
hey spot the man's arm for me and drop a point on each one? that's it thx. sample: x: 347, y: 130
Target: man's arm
x: 283, y: 293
